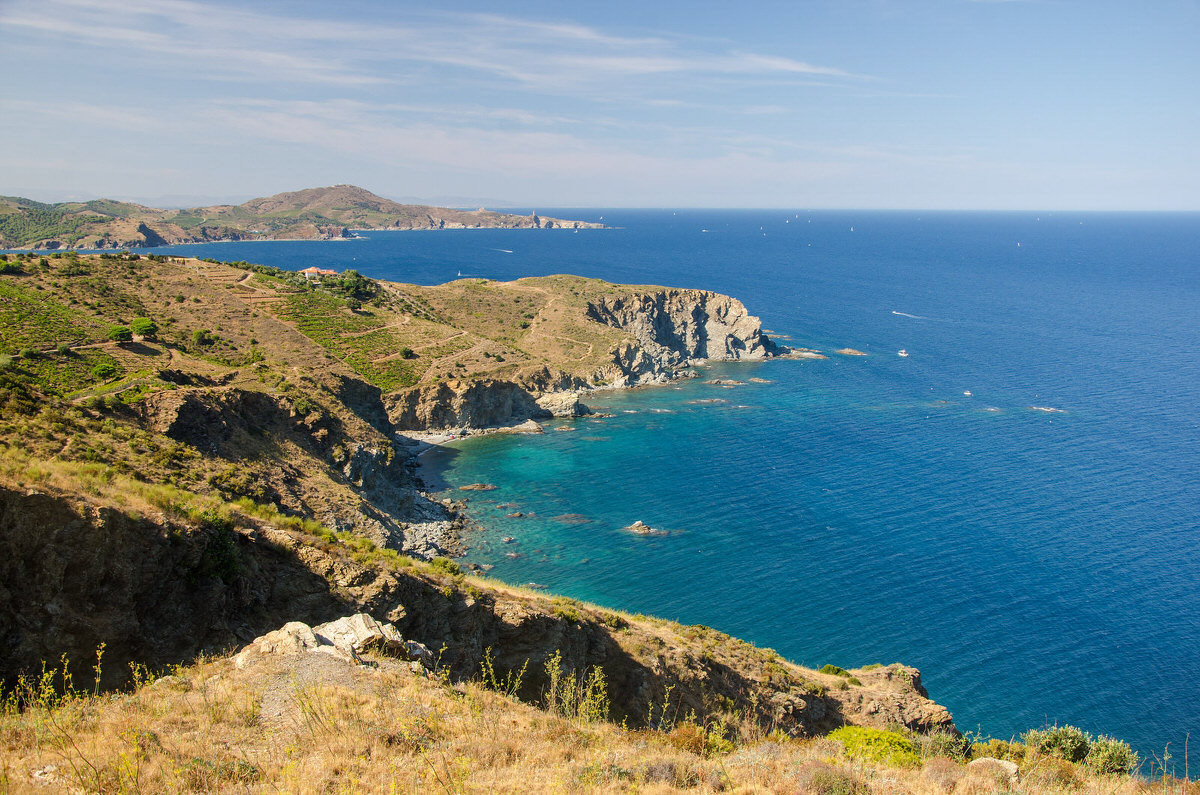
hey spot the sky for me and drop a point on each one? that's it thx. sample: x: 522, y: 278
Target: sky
x: 908, y: 104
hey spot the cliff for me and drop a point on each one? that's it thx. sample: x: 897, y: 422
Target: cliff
x: 312, y: 214
x: 158, y: 587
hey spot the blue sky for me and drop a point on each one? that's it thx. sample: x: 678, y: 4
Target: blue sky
x: 961, y: 104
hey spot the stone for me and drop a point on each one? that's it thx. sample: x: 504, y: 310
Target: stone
x: 997, y: 769
x: 294, y: 637
x: 357, y: 633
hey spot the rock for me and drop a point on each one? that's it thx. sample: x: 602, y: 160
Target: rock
x: 849, y: 352
x: 477, y: 487
x: 516, y: 515
x: 294, y: 637
x: 344, y: 639
x: 358, y: 633
x: 508, y: 539
x: 725, y: 382
x: 642, y: 529
x: 999, y: 770
x: 419, y: 653
x: 761, y: 381
x: 563, y: 404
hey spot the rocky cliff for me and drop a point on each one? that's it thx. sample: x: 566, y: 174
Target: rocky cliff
x: 671, y: 329
x: 643, y: 337
x: 158, y: 589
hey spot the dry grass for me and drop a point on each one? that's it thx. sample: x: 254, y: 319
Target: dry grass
x: 310, y: 723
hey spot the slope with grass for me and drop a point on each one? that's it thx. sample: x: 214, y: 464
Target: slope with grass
x: 239, y: 465
x: 315, y: 213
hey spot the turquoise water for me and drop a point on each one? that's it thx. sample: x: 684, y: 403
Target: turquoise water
x: 1038, y: 566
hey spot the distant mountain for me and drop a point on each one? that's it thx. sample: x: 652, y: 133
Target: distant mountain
x: 312, y: 214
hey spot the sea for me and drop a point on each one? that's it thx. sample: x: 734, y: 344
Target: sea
x: 1013, y: 507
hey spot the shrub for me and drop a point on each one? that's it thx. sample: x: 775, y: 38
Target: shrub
x: 446, y: 566
x: 1064, y: 742
x: 877, y: 745
x: 144, y: 327
x: 407, y: 353
x: 28, y: 353
x: 5, y: 361
x: 104, y: 371
x: 945, y: 744
x: 202, y: 337
x: 1110, y: 755
x: 120, y: 334
x: 833, y: 669
x: 822, y: 779
x: 63, y: 349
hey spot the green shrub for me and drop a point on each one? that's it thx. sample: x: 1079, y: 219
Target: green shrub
x: 833, y: 669
x: 1064, y: 742
x: 104, y: 371
x: 1110, y: 755
x: 6, y: 361
x: 446, y: 566
x: 63, y: 349
x: 143, y: 327
x: 120, y: 334
x: 877, y: 745
x: 28, y: 353
x: 202, y: 337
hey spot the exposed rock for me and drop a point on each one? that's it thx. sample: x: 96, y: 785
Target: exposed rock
x: 563, y: 404
x: 358, y: 633
x: 477, y: 487
x: 642, y: 529
x: 850, y: 352
x: 674, y: 328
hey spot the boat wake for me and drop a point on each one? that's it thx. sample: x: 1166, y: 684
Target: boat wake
x: 914, y: 317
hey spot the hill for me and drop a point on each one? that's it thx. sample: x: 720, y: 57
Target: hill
x: 197, y: 457
x: 316, y: 213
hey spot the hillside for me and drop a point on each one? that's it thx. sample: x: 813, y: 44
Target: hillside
x: 194, y: 455
x: 316, y: 213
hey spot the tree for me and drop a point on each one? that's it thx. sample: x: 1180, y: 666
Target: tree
x: 120, y: 334
x: 144, y: 327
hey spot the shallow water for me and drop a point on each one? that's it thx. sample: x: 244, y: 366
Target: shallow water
x: 1038, y: 566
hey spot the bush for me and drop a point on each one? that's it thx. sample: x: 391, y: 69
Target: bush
x: 877, y: 745
x: 144, y: 327
x: 120, y: 334
x: 407, y: 353
x: 5, y: 361
x: 833, y: 669
x: 1110, y: 755
x: 28, y: 353
x: 104, y: 371
x: 1064, y: 742
x: 446, y: 566
x: 202, y: 337
x: 63, y: 349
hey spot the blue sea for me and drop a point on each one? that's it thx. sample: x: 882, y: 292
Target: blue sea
x: 1030, y: 546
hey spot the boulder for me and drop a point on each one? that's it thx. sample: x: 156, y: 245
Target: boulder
x: 344, y: 638
x: 357, y: 633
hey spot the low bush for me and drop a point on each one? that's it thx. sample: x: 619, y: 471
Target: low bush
x: 1064, y: 742
x: 1110, y: 755
x: 877, y: 745
x: 822, y: 779
x: 120, y: 334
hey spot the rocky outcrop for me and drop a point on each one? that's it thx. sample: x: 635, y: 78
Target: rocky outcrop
x: 476, y: 404
x: 674, y: 328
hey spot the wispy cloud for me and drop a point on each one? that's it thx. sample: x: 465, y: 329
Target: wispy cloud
x: 256, y: 45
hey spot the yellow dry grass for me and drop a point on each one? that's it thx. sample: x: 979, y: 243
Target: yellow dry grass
x: 310, y: 723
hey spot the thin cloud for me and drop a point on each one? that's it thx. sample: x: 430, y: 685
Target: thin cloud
x: 260, y: 46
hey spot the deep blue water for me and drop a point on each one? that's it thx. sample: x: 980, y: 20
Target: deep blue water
x: 1036, y: 566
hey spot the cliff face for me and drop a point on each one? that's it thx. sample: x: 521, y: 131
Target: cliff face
x: 663, y: 332
x: 159, y: 590
x: 674, y: 328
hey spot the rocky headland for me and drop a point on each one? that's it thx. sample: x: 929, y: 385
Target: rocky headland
x: 330, y: 213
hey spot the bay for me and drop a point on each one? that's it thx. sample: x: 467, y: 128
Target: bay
x: 1037, y: 565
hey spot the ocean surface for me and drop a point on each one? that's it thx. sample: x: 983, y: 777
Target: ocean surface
x: 1031, y: 546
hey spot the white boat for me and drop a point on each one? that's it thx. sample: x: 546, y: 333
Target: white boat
x: 902, y: 352
x: 967, y: 393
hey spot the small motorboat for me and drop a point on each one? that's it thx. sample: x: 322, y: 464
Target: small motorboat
x: 902, y: 352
